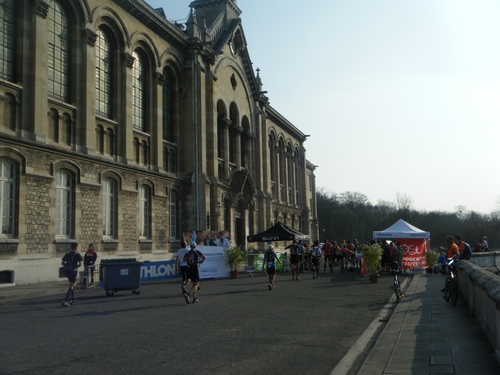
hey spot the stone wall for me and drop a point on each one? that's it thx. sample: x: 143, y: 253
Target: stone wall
x: 481, y: 290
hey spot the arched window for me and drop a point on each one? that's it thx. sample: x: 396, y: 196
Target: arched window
x: 103, y: 74
x: 7, y: 39
x: 144, y: 212
x: 59, y: 56
x: 138, y: 88
x: 172, y: 210
x: 233, y: 116
x: 64, y: 204
x: 8, y: 181
x: 169, y: 105
x: 109, y: 208
x: 221, y: 122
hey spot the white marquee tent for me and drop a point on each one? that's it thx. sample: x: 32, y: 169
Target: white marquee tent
x: 413, y: 241
x: 401, y: 229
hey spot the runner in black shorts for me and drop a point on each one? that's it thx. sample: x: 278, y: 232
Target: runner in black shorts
x: 294, y: 259
x: 193, y: 257
x: 315, y: 257
x: 270, y: 266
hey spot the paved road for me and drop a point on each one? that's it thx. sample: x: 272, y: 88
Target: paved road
x: 239, y: 327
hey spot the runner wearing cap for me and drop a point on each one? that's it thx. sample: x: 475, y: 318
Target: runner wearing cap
x: 269, y: 264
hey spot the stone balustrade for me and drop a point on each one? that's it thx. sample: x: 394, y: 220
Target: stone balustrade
x: 481, y: 289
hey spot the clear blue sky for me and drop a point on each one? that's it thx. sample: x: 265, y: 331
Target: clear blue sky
x: 399, y: 97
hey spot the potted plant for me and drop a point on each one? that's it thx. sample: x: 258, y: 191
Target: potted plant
x: 431, y: 257
x: 234, y: 258
x: 372, y: 254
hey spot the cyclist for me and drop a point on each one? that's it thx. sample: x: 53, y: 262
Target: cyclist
x: 450, y: 253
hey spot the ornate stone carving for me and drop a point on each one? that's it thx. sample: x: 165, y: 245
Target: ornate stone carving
x: 129, y: 59
x: 91, y: 37
x: 43, y: 9
x: 160, y: 78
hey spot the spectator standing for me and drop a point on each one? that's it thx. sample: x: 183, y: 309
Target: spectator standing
x: 269, y: 264
x: 71, y: 261
x: 193, y: 258
x: 222, y: 240
x: 89, y: 260
x: 181, y: 265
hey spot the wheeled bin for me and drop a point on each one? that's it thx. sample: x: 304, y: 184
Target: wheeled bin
x: 121, y: 275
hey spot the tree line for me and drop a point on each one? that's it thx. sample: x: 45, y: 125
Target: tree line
x: 350, y: 215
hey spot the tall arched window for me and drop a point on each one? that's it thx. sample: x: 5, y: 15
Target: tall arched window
x: 109, y: 208
x: 221, y: 123
x: 7, y: 39
x: 64, y: 204
x: 59, y: 56
x: 144, y: 211
x: 103, y: 74
x: 169, y: 105
x: 138, y: 92
x: 7, y: 198
x: 233, y: 116
x: 172, y: 210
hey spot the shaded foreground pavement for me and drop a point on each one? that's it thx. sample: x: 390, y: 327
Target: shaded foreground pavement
x: 427, y: 335
x: 337, y: 324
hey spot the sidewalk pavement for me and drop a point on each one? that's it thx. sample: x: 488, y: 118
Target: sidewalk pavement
x: 424, y: 334
x: 17, y: 292
x: 427, y: 335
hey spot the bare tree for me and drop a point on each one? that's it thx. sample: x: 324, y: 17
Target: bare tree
x: 404, y: 202
x: 353, y: 200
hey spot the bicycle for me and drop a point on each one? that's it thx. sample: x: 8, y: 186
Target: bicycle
x: 396, y: 286
x: 451, y: 289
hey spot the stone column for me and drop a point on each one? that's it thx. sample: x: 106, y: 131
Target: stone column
x: 125, y: 133
x: 227, y: 124
x: 40, y: 73
x: 88, y: 100
x: 157, y: 126
x: 237, y: 150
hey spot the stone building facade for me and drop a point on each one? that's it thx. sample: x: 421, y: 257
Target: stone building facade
x: 123, y: 129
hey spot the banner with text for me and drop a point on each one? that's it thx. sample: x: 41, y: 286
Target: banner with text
x: 214, y: 266
x: 414, y: 250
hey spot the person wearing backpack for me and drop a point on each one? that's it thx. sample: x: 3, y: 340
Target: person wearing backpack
x: 181, y: 265
x: 315, y: 258
x: 71, y: 261
x: 193, y: 258
x: 270, y: 266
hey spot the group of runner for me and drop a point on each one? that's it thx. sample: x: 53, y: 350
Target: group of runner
x: 311, y: 257
x: 304, y: 256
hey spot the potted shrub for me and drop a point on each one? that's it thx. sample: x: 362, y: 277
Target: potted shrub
x: 234, y: 258
x: 431, y: 257
x: 372, y: 254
